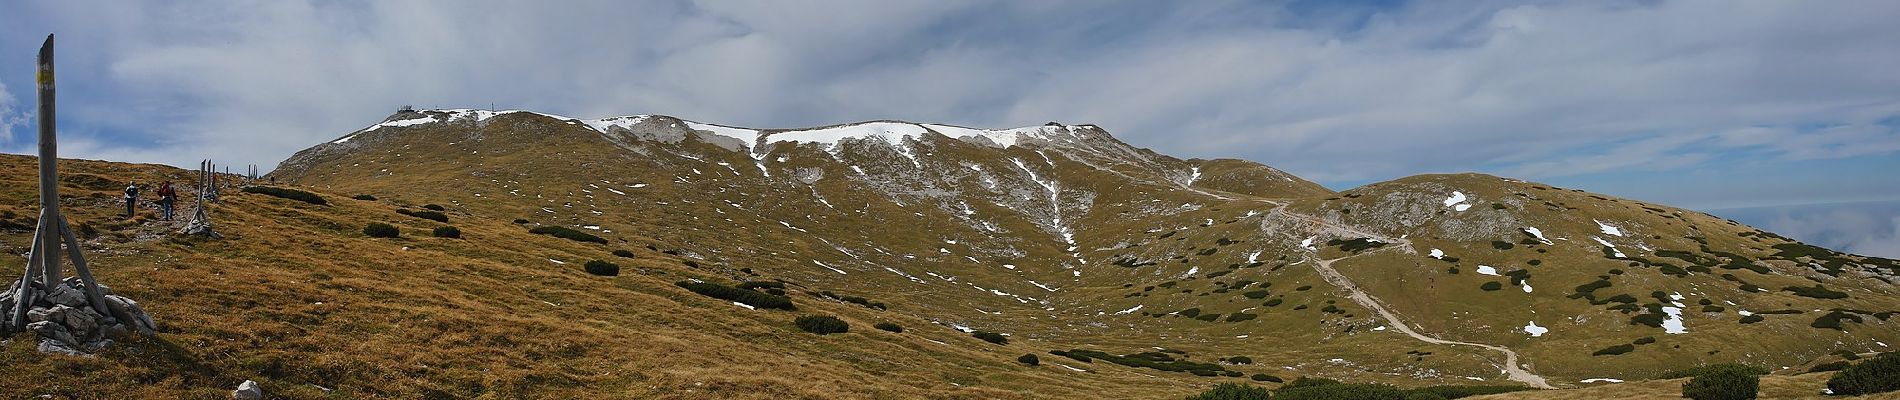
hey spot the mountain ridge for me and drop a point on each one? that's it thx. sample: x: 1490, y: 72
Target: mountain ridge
x: 1090, y: 248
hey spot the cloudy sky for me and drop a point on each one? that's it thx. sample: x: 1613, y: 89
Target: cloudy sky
x: 1704, y: 104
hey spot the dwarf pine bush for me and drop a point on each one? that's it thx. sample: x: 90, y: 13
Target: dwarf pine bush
x: 428, y: 215
x: 602, y: 268
x: 566, y: 233
x: 381, y: 230
x: 1233, y: 391
x: 1722, y: 384
x: 292, y: 194
x: 822, y: 324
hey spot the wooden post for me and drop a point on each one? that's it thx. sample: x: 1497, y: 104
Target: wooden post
x: 44, y: 261
x: 49, y: 170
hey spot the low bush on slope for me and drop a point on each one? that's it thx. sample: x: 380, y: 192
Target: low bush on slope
x: 1233, y: 391
x: 747, y: 297
x: 1153, y: 359
x: 565, y: 233
x: 428, y: 215
x: 447, y: 232
x: 1706, y: 369
x: 381, y: 230
x: 602, y: 268
x: 292, y: 194
x: 1722, y: 384
x: 1877, y: 375
x: 991, y: 337
x: 822, y: 324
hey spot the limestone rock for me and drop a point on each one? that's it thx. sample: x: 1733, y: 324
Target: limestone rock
x: 55, y: 346
x: 247, y: 391
x: 67, y: 296
x: 53, y: 331
x: 140, y: 320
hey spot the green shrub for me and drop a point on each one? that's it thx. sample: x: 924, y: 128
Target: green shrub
x: 1817, y: 291
x: 1463, y: 391
x: 1491, y: 286
x: 1833, y: 366
x: 850, y: 299
x: 623, y: 253
x: 1073, y: 355
x: 447, y: 232
x: 1877, y: 375
x: 1257, y: 294
x: 1753, y: 318
x: 292, y: 194
x: 1190, y: 313
x: 565, y: 233
x: 1208, y: 317
x: 1706, y: 369
x: 1615, y: 350
x: 1243, y: 360
x: 889, y: 327
x: 364, y: 197
x: 434, y: 207
x: 991, y: 337
x: 756, y: 285
x: 1029, y: 359
x: 1722, y: 384
x: 1265, y: 378
x: 428, y: 215
x: 1232, y: 391
x: 747, y: 297
x: 1273, y: 302
x: 381, y: 230
x: 1159, y: 360
x: 1343, y: 391
x: 821, y: 324
x: 520, y: 221
x: 602, y: 268
x: 1832, y: 320
x: 1308, y: 381
x: 1502, y: 245
x: 1409, y: 395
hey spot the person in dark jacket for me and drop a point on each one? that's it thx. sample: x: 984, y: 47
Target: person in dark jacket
x: 131, y: 199
x: 167, y: 198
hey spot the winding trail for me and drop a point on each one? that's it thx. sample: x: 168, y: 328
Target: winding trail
x: 1516, y: 373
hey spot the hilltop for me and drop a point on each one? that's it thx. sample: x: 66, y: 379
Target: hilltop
x: 1127, y: 271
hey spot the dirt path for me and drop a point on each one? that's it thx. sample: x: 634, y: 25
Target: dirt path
x: 1516, y: 373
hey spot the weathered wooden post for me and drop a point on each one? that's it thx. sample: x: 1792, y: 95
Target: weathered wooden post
x: 43, y: 263
x: 200, y: 223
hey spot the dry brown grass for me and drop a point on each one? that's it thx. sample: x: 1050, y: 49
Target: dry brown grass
x: 298, y: 300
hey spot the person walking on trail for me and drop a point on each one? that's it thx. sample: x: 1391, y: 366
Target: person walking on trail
x: 131, y: 199
x: 166, y: 198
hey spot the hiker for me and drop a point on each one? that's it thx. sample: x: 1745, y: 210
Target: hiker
x: 166, y: 198
x: 131, y: 199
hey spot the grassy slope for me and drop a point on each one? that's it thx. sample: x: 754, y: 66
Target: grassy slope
x: 296, y: 298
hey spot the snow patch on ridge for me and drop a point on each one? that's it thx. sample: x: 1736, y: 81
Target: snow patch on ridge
x: 1608, y: 229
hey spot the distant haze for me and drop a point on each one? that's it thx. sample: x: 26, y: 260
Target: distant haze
x: 1868, y: 228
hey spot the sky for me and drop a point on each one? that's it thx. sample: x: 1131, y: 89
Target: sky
x: 1710, y: 105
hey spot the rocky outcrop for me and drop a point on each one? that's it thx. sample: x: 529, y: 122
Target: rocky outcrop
x: 67, y: 322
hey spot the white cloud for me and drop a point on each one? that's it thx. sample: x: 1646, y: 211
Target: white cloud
x: 1861, y: 228
x: 1541, y: 90
x: 11, y: 115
